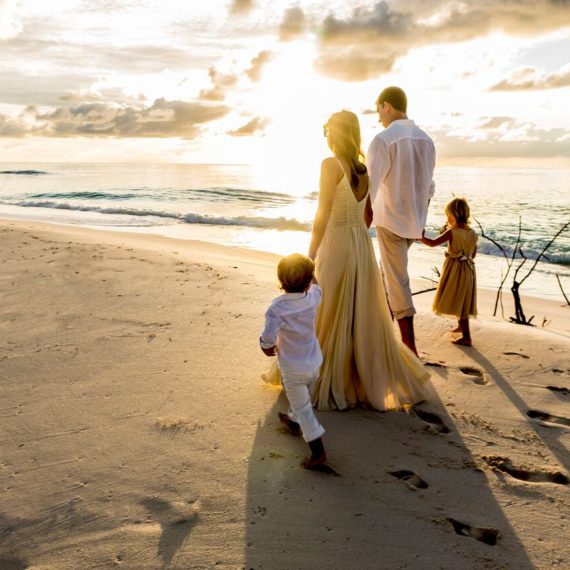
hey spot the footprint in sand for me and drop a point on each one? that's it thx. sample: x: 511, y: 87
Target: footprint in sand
x: 549, y: 418
x: 531, y: 475
x: 559, y: 389
x: 486, y: 535
x: 516, y: 354
x: 435, y: 364
x: 477, y: 375
x: 434, y: 422
x: 413, y: 480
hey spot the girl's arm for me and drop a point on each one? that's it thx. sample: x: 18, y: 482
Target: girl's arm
x: 444, y: 237
x: 327, y: 189
x: 368, y: 213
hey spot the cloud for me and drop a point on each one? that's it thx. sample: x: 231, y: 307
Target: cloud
x: 21, y: 89
x: 293, y: 23
x: 495, y: 122
x: 257, y: 63
x: 353, y: 64
x: 520, y: 140
x: 530, y: 78
x: 372, y: 37
x: 108, y: 6
x: 10, y: 23
x: 366, y: 24
x: 221, y: 83
x: 252, y: 127
x: 161, y: 119
x: 10, y: 127
x: 240, y: 7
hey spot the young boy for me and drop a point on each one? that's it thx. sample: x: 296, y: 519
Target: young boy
x: 290, y: 331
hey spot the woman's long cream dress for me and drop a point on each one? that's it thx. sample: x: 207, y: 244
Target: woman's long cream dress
x: 364, y: 363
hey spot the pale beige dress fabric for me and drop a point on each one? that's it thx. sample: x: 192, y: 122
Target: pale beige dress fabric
x: 364, y: 363
x: 456, y: 293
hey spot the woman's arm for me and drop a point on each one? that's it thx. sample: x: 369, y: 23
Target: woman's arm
x: 444, y: 237
x: 327, y: 189
x: 368, y: 213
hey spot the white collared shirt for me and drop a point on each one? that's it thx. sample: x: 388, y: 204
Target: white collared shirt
x: 290, y: 324
x: 401, y: 160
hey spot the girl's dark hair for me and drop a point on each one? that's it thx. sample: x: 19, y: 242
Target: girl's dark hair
x: 345, y: 142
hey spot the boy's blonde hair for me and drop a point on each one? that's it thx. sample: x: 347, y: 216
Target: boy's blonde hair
x: 295, y: 273
x: 459, y: 209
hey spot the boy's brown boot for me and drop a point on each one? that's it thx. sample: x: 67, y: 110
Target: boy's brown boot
x: 318, y: 455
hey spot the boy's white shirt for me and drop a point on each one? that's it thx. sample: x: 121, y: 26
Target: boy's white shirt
x: 290, y: 325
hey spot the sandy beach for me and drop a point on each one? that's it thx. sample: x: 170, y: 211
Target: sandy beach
x: 136, y: 432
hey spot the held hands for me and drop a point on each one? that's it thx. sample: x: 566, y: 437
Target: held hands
x: 271, y: 351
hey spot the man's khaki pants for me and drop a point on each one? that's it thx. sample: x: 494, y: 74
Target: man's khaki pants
x: 394, y: 265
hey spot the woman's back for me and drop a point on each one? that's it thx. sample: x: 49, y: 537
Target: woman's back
x: 362, y: 361
x: 349, y: 205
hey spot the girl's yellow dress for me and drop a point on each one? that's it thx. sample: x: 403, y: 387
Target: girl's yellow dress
x: 456, y: 293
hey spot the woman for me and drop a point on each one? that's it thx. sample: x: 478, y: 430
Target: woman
x: 363, y: 362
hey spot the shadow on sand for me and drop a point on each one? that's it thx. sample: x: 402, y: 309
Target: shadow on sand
x: 407, y: 495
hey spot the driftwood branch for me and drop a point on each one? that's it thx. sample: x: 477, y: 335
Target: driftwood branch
x: 499, y: 297
x: 566, y: 225
x: 520, y: 317
x: 561, y: 289
x: 434, y: 281
x: 424, y: 291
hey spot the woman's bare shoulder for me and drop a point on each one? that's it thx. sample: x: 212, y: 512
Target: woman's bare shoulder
x: 331, y: 164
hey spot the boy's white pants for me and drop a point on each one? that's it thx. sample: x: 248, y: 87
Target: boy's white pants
x: 298, y: 388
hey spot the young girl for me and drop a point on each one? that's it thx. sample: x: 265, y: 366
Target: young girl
x: 456, y: 292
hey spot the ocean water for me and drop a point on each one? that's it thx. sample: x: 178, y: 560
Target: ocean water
x: 233, y: 205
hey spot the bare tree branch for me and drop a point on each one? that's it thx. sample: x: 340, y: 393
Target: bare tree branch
x: 424, y: 291
x: 566, y: 225
x: 561, y: 289
x: 509, y: 260
x: 520, y: 317
x: 491, y: 239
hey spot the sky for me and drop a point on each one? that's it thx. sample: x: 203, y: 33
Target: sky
x: 253, y: 81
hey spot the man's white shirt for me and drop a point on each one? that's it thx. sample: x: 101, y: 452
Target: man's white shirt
x: 401, y: 160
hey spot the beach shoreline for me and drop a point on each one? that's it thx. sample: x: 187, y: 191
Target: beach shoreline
x: 136, y: 430
x: 547, y: 310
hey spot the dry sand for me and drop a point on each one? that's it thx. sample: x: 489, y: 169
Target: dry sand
x: 135, y: 431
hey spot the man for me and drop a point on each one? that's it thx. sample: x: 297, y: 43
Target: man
x: 401, y: 160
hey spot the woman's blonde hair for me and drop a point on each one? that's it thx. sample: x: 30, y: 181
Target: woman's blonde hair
x: 295, y: 272
x: 344, y: 141
x: 459, y: 209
